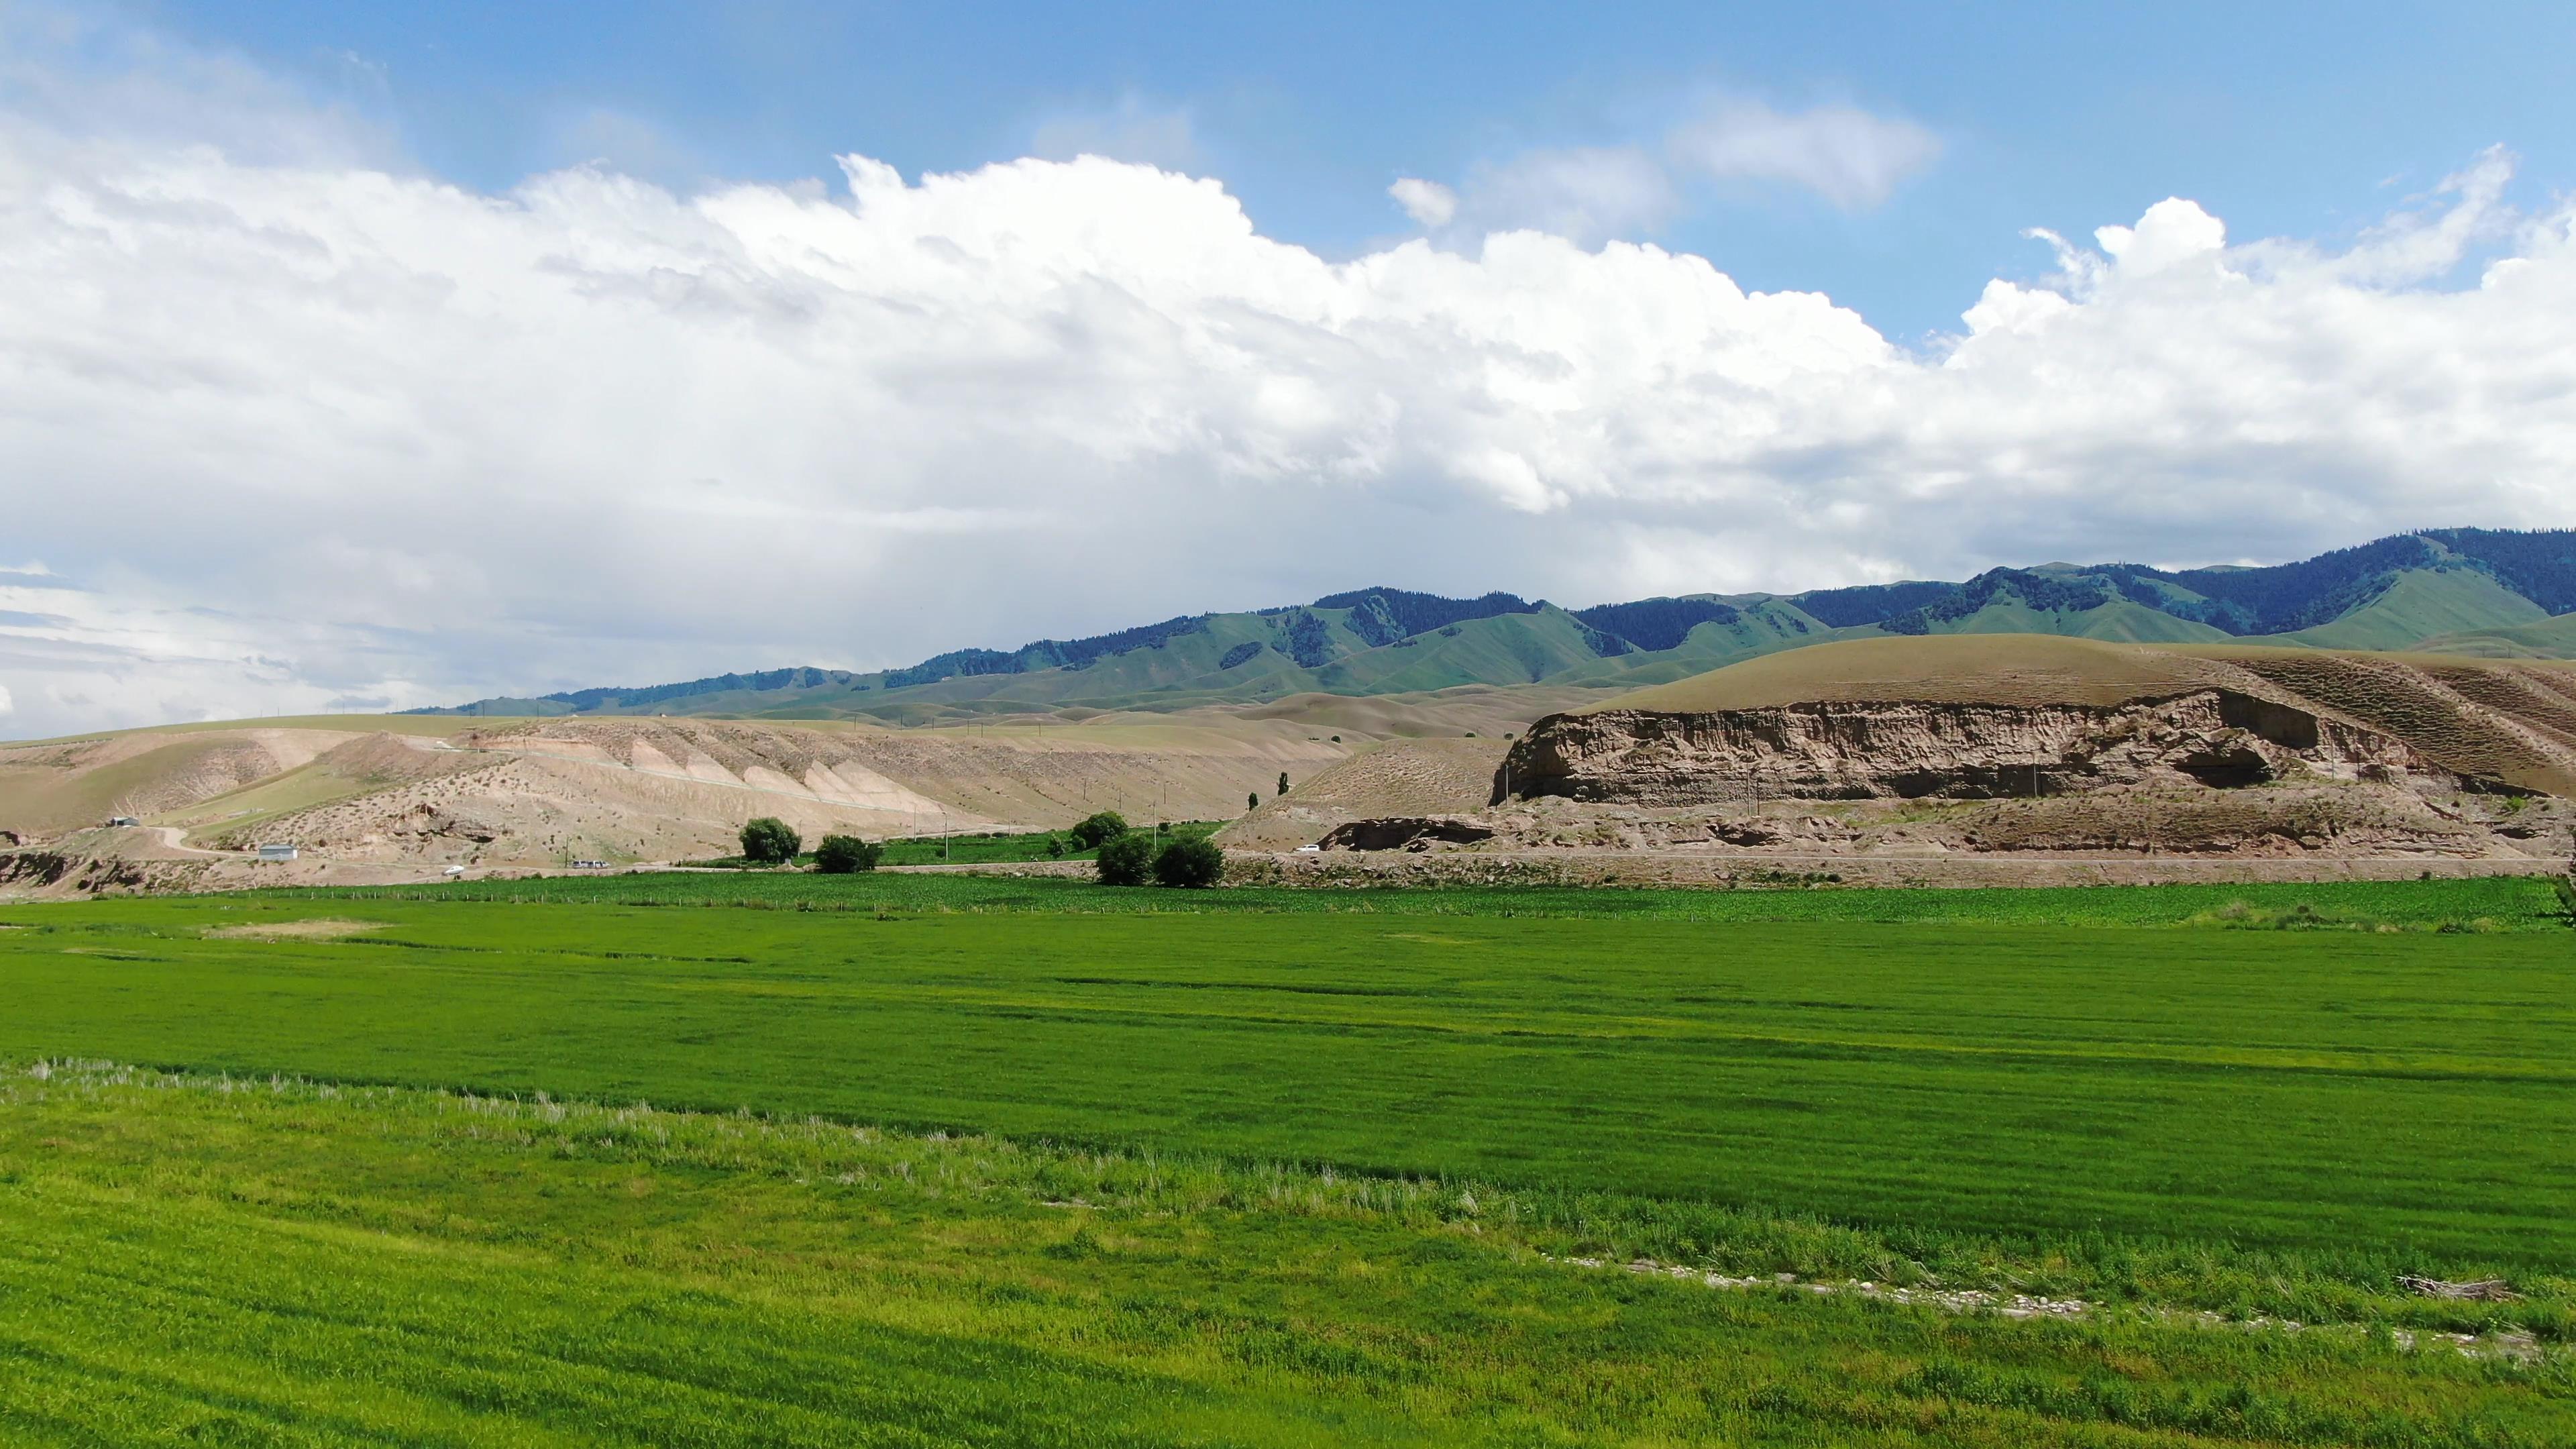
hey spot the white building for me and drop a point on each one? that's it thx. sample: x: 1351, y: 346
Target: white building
x: 277, y: 852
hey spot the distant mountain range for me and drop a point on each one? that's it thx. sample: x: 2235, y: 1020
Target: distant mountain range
x: 2490, y: 592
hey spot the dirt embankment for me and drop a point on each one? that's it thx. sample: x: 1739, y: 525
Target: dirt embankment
x: 1913, y: 750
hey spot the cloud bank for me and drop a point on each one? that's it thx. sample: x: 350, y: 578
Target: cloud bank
x: 290, y: 431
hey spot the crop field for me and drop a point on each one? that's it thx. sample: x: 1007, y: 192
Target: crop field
x: 2478, y: 904
x: 987, y: 1161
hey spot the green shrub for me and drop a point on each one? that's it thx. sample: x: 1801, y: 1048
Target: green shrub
x: 770, y: 839
x: 1126, y: 860
x: 1054, y: 848
x: 846, y: 855
x: 1106, y: 826
x: 1194, y: 864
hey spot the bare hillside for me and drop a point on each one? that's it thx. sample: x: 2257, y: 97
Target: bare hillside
x: 366, y: 802
x: 1404, y: 777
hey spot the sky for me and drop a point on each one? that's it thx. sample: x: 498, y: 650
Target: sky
x: 364, y: 357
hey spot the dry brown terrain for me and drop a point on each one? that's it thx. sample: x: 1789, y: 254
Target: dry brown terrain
x: 369, y: 799
x: 2043, y: 748
x: 1959, y: 759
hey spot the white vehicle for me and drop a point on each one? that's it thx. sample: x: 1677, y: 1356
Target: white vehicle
x: 453, y: 871
x: 1310, y: 850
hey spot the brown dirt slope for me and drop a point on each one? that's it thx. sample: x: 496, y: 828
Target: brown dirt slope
x: 1410, y: 777
x: 62, y: 785
x: 2512, y: 721
x: 529, y: 792
x: 2025, y: 669
x: 2497, y: 720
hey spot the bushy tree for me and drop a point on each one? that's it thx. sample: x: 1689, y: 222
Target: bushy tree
x: 1251, y: 802
x: 1107, y: 825
x: 1055, y: 847
x: 1283, y: 782
x: 846, y: 855
x: 1194, y: 863
x: 1127, y: 860
x: 770, y: 839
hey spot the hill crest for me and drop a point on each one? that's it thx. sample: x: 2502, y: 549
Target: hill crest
x: 2491, y: 592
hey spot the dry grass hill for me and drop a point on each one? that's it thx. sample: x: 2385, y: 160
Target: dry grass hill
x: 2509, y: 721
x: 402, y: 797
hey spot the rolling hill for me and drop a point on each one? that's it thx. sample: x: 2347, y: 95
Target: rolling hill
x: 2479, y: 592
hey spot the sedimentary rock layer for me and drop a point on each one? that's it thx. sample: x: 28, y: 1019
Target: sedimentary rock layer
x: 1841, y: 750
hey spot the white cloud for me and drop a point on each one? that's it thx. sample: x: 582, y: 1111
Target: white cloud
x: 1585, y: 194
x: 291, y: 433
x: 1429, y: 203
x: 1846, y: 155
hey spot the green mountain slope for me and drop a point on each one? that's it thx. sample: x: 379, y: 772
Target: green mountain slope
x: 2470, y: 591
x: 2553, y: 638
x: 2420, y: 604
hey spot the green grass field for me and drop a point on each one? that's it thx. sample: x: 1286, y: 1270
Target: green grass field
x: 2483, y: 904
x: 1281, y: 1166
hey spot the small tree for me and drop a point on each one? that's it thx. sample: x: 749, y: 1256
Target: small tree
x: 768, y: 839
x: 1126, y: 860
x: 846, y: 855
x: 1283, y: 782
x: 1055, y: 847
x: 1193, y: 864
x: 1105, y: 826
x: 1251, y: 802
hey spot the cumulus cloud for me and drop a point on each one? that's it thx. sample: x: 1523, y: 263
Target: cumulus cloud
x: 1842, y: 153
x: 291, y: 432
x: 1429, y: 203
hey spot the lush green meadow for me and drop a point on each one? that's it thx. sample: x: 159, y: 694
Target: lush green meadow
x: 2480, y: 904
x: 202, y: 1260
x: 1282, y: 1166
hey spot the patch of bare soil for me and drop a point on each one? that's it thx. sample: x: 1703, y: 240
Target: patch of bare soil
x: 1419, y: 778
x: 2510, y: 1344
x: 315, y: 930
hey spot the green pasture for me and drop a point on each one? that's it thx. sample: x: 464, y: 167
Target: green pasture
x: 2480, y: 904
x: 2408, y: 1092
x: 949, y: 1160
x: 202, y: 1260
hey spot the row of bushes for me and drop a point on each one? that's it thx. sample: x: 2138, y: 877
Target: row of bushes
x: 1127, y: 857
x: 772, y: 841
x: 1133, y: 858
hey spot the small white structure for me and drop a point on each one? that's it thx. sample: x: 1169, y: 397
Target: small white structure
x: 120, y: 820
x: 1310, y: 850
x: 277, y: 852
x: 454, y: 871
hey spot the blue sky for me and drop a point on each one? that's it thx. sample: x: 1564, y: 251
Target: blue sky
x: 2307, y: 120
x: 360, y: 356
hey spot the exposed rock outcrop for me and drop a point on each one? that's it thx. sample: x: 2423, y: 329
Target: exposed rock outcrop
x: 1404, y: 833
x: 1851, y: 751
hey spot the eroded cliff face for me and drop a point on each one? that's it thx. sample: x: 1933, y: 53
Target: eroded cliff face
x: 1848, y: 751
